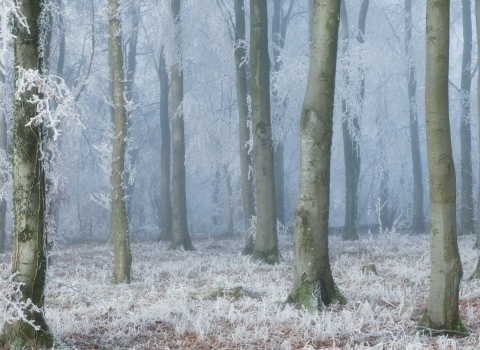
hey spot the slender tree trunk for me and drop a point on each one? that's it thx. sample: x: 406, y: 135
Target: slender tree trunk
x: 29, y: 251
x: 266, y: 242
x: 3, y: 149
x: 279, y: 31
x: 418, y: 217
x: 477, y: 21
x: 230, y: 204
x: 133, y: 152
x: 244, y: 133
x: 313, y: 284
x: 441, y: 313
x: 466, y: 209
x: 62, y: 45
x: 181, y: 236
x: 351, y: 133
x: 118, y: 216
x: 165, y: 201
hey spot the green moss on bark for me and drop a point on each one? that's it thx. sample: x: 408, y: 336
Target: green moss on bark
x: 271, y: 257
x: 427, y: 327
x: 313, y: 296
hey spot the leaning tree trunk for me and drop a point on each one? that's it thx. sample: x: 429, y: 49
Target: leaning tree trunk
x: 313, y: 284
x: 181, y: 236
x: 118, y: 216
x: 418, y: 217
x: 441, y: 314
x: 266, y: 242
x: 244, y: 133
x: 165, y: 201
x: 477, y: 21
x: 29, y: 252
x: 3, y: 149
x: 466, y: 209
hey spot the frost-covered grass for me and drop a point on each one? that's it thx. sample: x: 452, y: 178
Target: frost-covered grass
x: 169, y: 305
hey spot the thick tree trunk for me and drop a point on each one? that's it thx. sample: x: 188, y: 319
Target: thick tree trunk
x: 118, y: 216
x: 441, y: 314
x: 477, y: 21
x: 466, y: 209
x: 3, y: 149
x: 418, y: 216
x: 165, y: 201
x: 181, y: 236
x: 313, y: 284
x: 266, y: 242
x: 244, y: 133
x: 29, y: 252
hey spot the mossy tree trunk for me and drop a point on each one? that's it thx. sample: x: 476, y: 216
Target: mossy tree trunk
x: 29, y: 252
x: 3, y: 148
x: 244, y: 133
x: 118, y: 216
x: 441, y: 314
x: 418, y: 216
x: 466, y: 209
x: 165, y: 199
x: 180, y: 235
x: 313, y: 284
x: 351, y: 132
x: 266, y: 241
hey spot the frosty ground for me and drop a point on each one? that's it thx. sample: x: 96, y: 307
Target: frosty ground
x: 193, y: 300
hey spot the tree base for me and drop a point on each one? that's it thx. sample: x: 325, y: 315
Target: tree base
x: 181, y: 246
x: 314, y: 297
x: 21, y: 335
x: 271, y: 257
x: 427, y: 327
x: 350, y: 235
x: 247, y: 250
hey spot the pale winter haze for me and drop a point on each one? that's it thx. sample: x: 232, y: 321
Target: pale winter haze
x: 239, y: 174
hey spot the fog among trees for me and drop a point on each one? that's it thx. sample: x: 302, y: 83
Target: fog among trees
x: 231, y: 174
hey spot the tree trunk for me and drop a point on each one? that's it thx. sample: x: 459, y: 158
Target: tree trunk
x: 181, y: 236
x: 477, y: 21
x: 3, y: 149
x: 165, y: 201
x: 441, y: 314
x: 29, y: 252
x: 279, y: 31
x: 351, y: 132
x: 313, y: 284
x: 230, y: 204
x: 266, y: 242
x: 418, y: 216
x: 244, y: 133
x: 133, y: 153
x: 466, y: 209
x: 118, y: 216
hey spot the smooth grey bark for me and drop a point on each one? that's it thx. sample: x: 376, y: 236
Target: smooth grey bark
x: 3, y: 148
x: 29, y: 260
x: 466, y: 208
x: 441, y: 314
x: 62, y: 45
x: 351, y: 131
x: 266, y: 241
x: 230, y: 205
x: 418, y: 216
x: 248, y: 202
x: 279, y: 32
x: 118, y: 215
x: 477, y: 21
x: 180, y: 234
x: 313, y: 284
x: 165, y: 199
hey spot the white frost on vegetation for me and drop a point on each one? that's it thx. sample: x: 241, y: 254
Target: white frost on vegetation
x: 165, y: 306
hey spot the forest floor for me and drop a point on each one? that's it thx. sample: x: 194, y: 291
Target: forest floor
x: 189, y: 300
